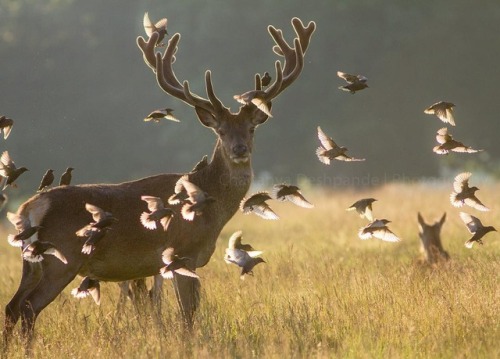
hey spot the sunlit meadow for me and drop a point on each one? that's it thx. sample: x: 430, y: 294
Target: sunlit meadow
x: 322, y: 293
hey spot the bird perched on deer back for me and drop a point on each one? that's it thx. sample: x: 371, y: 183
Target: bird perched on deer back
x: 257, y: 98
x: 175, y: 264
x: 443, y: 110
x: 24, y: 228
x: 66, y: 177
x: 476, y: 228
x: 158, y: 115
x: 160, y: 27
x: 88, y: 287
x: 6, y: 125
x: 329, y: 150
x: 447, y: 144
x: 158, y: 213
x: 35, y: 251
x: 463, y: 194
x: 363, y: 207
x: 47, y: 180
x: 354, y: 82
x: 378, y: 229
x: 256, y: 203
x: 284, y: 192
x: 9, y: 171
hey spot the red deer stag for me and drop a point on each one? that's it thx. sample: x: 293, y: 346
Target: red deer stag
x: 129, y: 251
x: 430, y: 240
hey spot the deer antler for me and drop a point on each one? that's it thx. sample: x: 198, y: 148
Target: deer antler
x: 294, y: 57
x: 162, y: 66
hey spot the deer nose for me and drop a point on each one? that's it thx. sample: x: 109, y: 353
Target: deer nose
x: 240, y: 150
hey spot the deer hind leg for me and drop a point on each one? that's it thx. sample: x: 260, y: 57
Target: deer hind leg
x: 55, y: 277
x: 187, y: 292
x: 31, y: 275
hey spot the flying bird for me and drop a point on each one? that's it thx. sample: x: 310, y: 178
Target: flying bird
x: 257, y: 97
x: 476, y: 228
x: 102, y: 219
x: 6, y: 125
x: 158, y: 115
x: 66, y: 177
x: 160, y: 27
x: 245, y: 259
x: 196, y: 201
x: 256, y: 203
x: 443, y: 110
x: 329, y: 150
x: 354, y: 82
x: 447, y: 144
x: 463, y: 194
x: 94, y: 236
x: 180, y: 195
x: 47, y: 180
x: 88, y: 287
x: 284, y: 192
x: 158, y: 213
x: 378, y: 229
x: 24, y: 229
x: 9, y: 171
x: 363, y: 207
x: 175, y: 264
x: 35, y: 251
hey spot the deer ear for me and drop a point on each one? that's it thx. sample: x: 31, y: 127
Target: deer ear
x: 443, y: 218
x: 206, y: 118
x: 421, y: 221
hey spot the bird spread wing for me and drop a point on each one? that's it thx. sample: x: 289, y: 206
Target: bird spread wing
x: 235, y: 239
x: 461, y: 181
x: 154, y: 203
x: 348, y: 77
x: 186, y: 272
x: 442, y: 135
x: 20, y: 222
x: 385, y: 234
x: 474, y: 202
x: 472, y: 223
x: 148, y: 25
x: 325, y: 140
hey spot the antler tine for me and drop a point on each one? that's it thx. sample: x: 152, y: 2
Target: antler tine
x: 258, y: 82
x: 294, y: 57
x: 214, y: 100
x: 165, y: 76
x: 273, y: 90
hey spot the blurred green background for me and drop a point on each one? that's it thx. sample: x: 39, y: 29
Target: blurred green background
x: 73, y: 79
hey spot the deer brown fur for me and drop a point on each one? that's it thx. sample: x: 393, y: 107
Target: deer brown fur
x: 129, y: 251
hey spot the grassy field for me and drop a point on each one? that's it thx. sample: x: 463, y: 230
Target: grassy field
x: 322, y: 293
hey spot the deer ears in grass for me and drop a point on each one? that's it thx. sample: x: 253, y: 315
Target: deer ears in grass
x: 422, y: 223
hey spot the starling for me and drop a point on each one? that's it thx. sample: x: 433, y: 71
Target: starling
x: 88, y: 287
x: 256, y: 203
x: 158, y: 213
x: 196, y: 202
x: 242, y: 259
x: 354, y: 82
x: 160, y: 27
x: 266, y: 79
x: 378, y: 229
x: 6, y: 126
x: 200, y: 165
x: 443, y: 110
x: 47, y: 180
x: 257, y: 98
x: 157, y: 115
x: 180, y: 195
x: 101, y: 219
x: 463, y: 194
x: 24, y: 230
x: 283, y: 192
x: 329, y: 150
x: 66, y: 177
x: 34, y: 252
x: 234, y: 243
x: 363, y: 207
x: 447, y: 144
x: 176, y: 264
x: 476, y: 228
x: 9, y: 171
x: 93, y: 235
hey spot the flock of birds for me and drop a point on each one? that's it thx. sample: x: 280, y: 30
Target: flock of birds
x: 193, y: 200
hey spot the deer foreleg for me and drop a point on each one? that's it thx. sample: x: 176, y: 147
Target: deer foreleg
x: 187, y: 292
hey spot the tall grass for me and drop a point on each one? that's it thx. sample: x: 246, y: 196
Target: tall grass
x: 322, y: 293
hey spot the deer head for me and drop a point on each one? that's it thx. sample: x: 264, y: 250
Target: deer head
x: 234, y: 130
x: 430, y: 236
